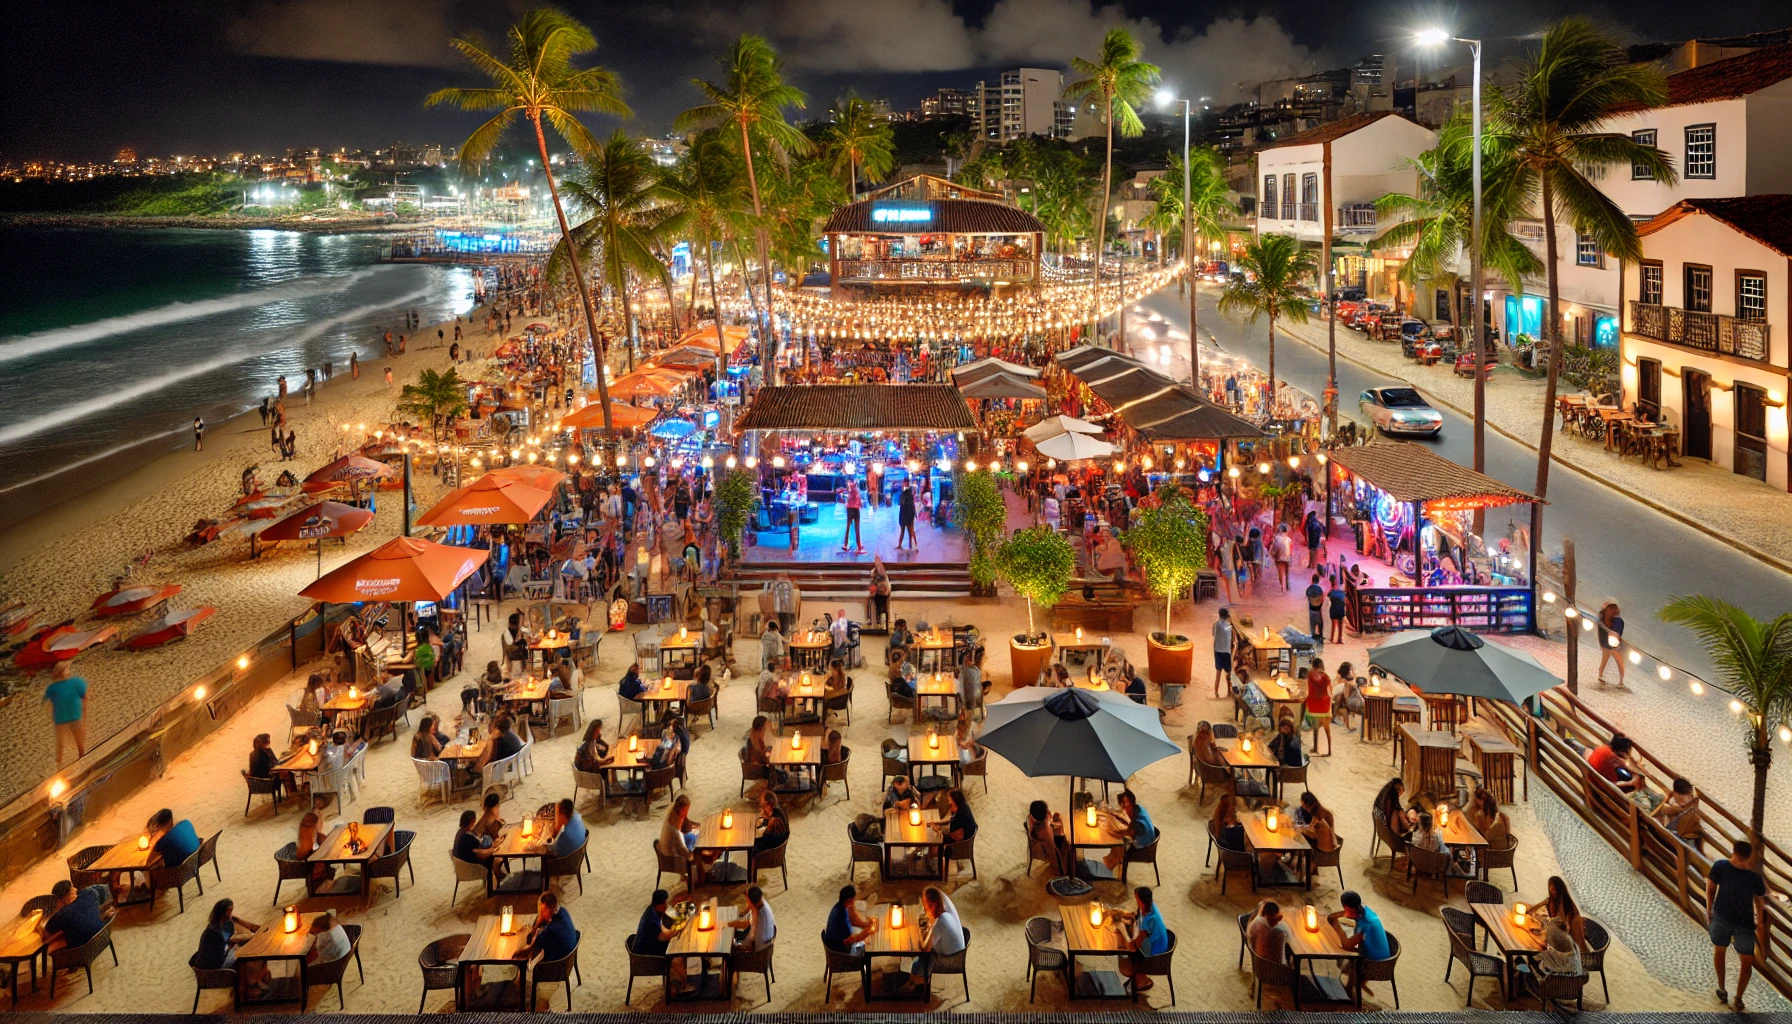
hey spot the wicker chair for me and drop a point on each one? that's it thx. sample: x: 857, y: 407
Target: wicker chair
x: 1481, y: 892
x: 1286, y: 778
x: 70, y: 957
x: 587, y: 780
x: 1383, y: 970
x: 290, y: 866
x: 1146, y: 854
x: 1422, y: 863
x: 1333, y: 858
x: 207, y: 978
x: 332, y: 973
x: 750, y: 771
x: 1244, y: 924
x: 164, y: 878
x: 839, y: 702
x: 898, y: 702
x: 964, y: 849
x: 1554, y: 990
x: 571, y: 865
x: 468, y: 871
x: 771, y: 707
x: 653, y: 780
x: 893, y: 766
x: 644, y: 965
x: 270, y: 788
x: 1593, y: 961
x: 1495, y: 858
x: 862, y: 852
x: 978, y: 766
x: 841, y: 962
x: 1278, y: 975
x: 440, y: 971
x: 673, y: 866
x: 1385, y: 835
x: 1236, y: 860
x: 555, y: 972
x: 954, y: 964
x: 1043, y: 957
x: 765, y: 860
x: 702, y: 709
x: 1216, y: 775
x: 835, y: 772
x: 757, y: 961
x: 388, y: 866
x: 78, y: 875
x: 208, y: 853
x: 1460, y: 926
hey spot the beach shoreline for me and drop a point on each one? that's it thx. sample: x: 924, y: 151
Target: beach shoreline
x: 215, y: 223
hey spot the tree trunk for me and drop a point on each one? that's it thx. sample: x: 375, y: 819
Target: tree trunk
x: 746, y: 281
x: 765, y: 262
x: 1762, y: 757
x: 1101, y: 218
x: 721, y: 339
x: 628, y: 320
x: 1270, y: 405
x: 1552, y: 330
x: 578, y: 273
x: 852, y: 175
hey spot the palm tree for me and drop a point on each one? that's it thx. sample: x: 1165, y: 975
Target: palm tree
x: 858, y: 138
x: 752, y: 96
x: 1551, y: 119
x: 1754, y: 658
x: 618, y: 193
x: 538, y: 81
x: 1274, y: 266
x: 704, y: 201
x: 1119, y: 81
x: 436, y: 397
x: 1209, y: 208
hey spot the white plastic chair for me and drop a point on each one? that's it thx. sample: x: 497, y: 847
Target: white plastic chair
x: 625, y: 708
x: 586, y: 780
x: 340, y: 781
x: 526, y: 756
x: 358, y: 764
x: 433, y: 777
x: 563, y: 709
x: 505, y: 772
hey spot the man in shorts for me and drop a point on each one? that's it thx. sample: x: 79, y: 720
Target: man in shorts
x: 1222, y: 651
x: 1735, y: 893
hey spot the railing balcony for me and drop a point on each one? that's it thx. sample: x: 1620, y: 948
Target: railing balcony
x: 936, y: 270
x: 1309, y: 211
x: 1705, y: 332
x: 1356, y: 219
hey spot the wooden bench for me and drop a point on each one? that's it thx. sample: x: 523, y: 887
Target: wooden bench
x: 1110, y: 615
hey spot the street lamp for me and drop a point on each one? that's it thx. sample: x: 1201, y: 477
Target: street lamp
x: 1438, y: 37
x: 1165, y: 98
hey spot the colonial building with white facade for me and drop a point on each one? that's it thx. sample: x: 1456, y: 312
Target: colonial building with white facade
x: 1704, y: 345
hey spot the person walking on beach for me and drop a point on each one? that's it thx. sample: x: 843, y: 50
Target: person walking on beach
x: 67, y: 697
x: 283, y: 387
x: 401, y: 344
x: 439, y: 337
x: 457, y: 327
x: 388, y: 378
x: 264, y: 411
x: 198, y: 434
x: 354, y: 366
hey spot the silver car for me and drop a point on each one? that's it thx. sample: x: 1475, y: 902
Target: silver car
x: 1400, y: 410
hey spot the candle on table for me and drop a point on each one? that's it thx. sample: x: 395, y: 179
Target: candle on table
x: 504, y: 921
x: 704, y: 921
x: 1270, y: 821
x: 1518, y: 910
x: 1095, y: 914
x: 143, y: 841
x: 796, y: 741
x: 292, y: 920
x: 728, y: 819
x: 634, y: 743
x: 914, y: 816
x: 896, y: 916
x: 1312, y: 918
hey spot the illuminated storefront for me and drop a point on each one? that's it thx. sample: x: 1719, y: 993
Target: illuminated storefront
x: 928, y: 234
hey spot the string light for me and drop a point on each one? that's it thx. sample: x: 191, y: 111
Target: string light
x: 1636, y: 658
x: 1665, y: 673
x: 1698, y: 688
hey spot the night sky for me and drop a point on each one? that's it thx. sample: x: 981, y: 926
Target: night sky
x: 84, y: 77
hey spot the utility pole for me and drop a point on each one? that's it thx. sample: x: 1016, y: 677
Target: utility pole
x: 1573, y: 623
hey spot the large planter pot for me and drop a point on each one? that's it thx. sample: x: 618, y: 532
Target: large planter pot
x: 1171, y: 660
x: 1028, y: 660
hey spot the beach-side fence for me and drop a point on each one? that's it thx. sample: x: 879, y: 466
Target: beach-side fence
x: 43, y: 820
x: 1556, y: 738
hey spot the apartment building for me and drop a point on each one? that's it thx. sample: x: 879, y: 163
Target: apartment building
x: 1022, y: 102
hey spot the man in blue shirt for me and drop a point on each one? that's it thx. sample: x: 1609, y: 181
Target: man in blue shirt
x: 552, y: 937
x: 1143, y: 832
x: 1369, y: 938
x: 632, y: 684
x: 569, y: 827
x: 80, y: 913
x: 1147, y: 936
x: 175, y: 842
x: 67, y: 697
x: 847, y: 928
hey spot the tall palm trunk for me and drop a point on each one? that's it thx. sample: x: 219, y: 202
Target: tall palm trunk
x: 1101, y: 218
x: 765, y: 260
x: 709, y: 265
x: 746, y: 280
x: 628, y: 313
x: 672, y: 305
x: 1552, y: 329
x: 852, y: 172
x: 1760, y: 755
x: 1270, y: 405
x: 578, y: 274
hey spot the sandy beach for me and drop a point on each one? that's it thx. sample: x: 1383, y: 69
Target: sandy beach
x: 62, y: 558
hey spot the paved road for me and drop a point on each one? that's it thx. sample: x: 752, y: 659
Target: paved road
x: 1625, y: 551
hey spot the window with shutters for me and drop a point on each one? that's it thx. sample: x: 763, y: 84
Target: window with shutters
x: 1751, y: 296
x: 1650, y: 292
x: 1645, y: 137
x: 1701, y: 151
x: 1270, y: 209
x: 1698, y: 288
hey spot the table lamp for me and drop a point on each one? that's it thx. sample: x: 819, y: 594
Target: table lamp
x: 353, y: 694
x: 683, y: 633
x: 504, y: 921
x: 1443, y: 816
x: 796, y: 741
x: 728, y: 818
x: 914, y: 816
x: 634, y: 743
x: 291, y: 923
x: 1079, y: 633
x: 528, y: 827
x: 705, y: 920
x: 552, y: 634
x: 143, y: 841
x: 1089, y: 817
x: 896, y: 916
x: 1312, y: 918
x: 666, y: 683
x: 1270, y: 821
x: 1095, y: 914
x: 1518, y: 910
x: 1244, y: 744
x: 933, y: 740
x: 312, y: 747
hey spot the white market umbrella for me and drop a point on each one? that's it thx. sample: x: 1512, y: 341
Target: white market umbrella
x: 1451, y: 659
x: 1055, y: 425
x: 1069, y: 447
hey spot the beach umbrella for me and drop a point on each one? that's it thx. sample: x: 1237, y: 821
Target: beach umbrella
x: 1082, y: 734
x: 1052, y: 426
x: 490, y: 500
x: 348, y: 469
x: 406, y: 569
x: 1001, y: 364
x: 542, y: 478
x: 1450, y: 659
x: 622, y: 417
x: 1070, y: 446
x: 674, y: 427
x: 316, y: 522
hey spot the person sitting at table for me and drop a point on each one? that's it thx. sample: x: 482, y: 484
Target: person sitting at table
x: 655, y: 931
x: 1426, y: 836
x: 1145, y: 934
x: 515, y: 641
x: 1140, y: 830
x: 1045, y: 830
x: 836, y: 682
x: 262, y: 759
x: 772, y: 685
x: 504, y: 743
x: 1489, y: 820
x: 703, y: 686
x: 1285, y: 745
x: 493, y: 677
x: 772, y: 646
x: 1268, y: 934
x: 329, y: 942
x: 470, y: 845
x: 667, y: 750
x: 79, y: 913
x: 173, y: 841
x: 756, y: 928
x: 428, y: 742
x: 1368, y: 938
x: 1390, y: 809
x: 833, y: 752
x: 900, y: 638
x: 491, y: 822
x: 1228, y: 831
x: 678, y: 834
x: 1134, y: 682
x: 680, y: 732
x: 901, y: 795
x: 902, y: 674
x: 1680, y: 814
x: 561, y: 682
x: 968, y: 748
x: 847, y: 928
x: 943, y: 936
x: 1314, y: 821
x: 758, y: 746
x: 1203, y: 746
x: 1559, y: 956
x: 773, y: 824
x: 1559, y: 905
x: 594, y: 750
x: 569, y: 829
x: 631, y: 685
x: 224, y: 932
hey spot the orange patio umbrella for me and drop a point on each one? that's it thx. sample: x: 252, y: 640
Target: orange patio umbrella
x: 542, y: 478
x: 659, y: 384
x: 705, y: 335
x: 346, y: 470
x: 622, y: 417
x: 402, y: 569
x: 487, y: 501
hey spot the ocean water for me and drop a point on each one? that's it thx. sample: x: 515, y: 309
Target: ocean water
x: 111, y: 341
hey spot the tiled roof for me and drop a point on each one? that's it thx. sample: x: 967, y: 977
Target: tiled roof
x: 1156, y: 407
x: 1731, y: 78
x: 1333, y: 131
x: 1765, y: 218
x: 1413, y: 472
x: 950, y: 216
x: 858, y: 407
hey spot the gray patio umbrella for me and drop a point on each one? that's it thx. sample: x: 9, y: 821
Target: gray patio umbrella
x: 1451, y: 659
x: 1082, y: 734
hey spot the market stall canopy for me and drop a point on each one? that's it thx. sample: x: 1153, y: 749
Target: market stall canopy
x: 1001, y: 385
x: 314, y: 522
x: 402, y: 569
x: 1052, y: 426
x: 1156, y: 407
x: 694, y: 358
x: 999, y: 364
x: 661, y: 383
x: 857, y: 407
x: 1413, y: 472
x: 343, y: 470
x: 1071, y: 446
x: 1450, y: 659
x: 622, y: 417
x: 704, y: 334
x: 488, y: 501
x: 542, y: 478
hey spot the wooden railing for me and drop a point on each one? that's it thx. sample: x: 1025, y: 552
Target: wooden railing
x: 1706, y: 332
x: 1485, y: 609
x: 1553, y: 743
x: 932, y: 270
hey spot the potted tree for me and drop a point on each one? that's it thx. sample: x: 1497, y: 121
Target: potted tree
x: 1038, y: 563
x: 736, y: 495
x: 1169, y: 543
x: 980, y: 511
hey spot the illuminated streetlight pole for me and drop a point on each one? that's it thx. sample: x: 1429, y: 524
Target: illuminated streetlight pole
x: 1165, y: 98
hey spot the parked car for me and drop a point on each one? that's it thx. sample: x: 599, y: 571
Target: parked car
x: 1427, y: 351
x: 1400, y: 410
x: 1412, y: 331
x: 1465, y: 366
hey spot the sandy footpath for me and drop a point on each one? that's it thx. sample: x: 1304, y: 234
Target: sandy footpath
x: 63, y: 558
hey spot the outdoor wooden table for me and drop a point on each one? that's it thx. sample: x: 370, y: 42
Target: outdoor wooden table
x: 269, y: 945
x: 1460, y: 831
x: 803, y: 698
x: 21, y: 943
x: 802, y: 761
x: 895, y: 942
x: 1613, y: 418
x: 1082, y: 938
x: 490, y: 946
x: 922, y: 751
x: 1430, y: 759
x: 343, y: 706
x: 1067, y: 642
x: 1257, y: 759
x: 126, y: 856
x: 1497, y: 758
x: 513, y: 845
x: 940, y: 686
x: 1109, y: 831
x: 335, y: 850
x: 539, y: 646
x: 1265, y: 649
x: 809, y: 649
x: 900, y: 835
x: 525, y: 691
x: 627, y: 765
x: 1281, y: 694
x: 1322, y: 944
x: 679, y: 654
x: 724, y: 843
x: 1259, y: 839
x: 1514, y: 941
x: 661, y: 699
x: 712, y: 943
x: 300, y: 760
x: 1379, y: 695
x: 931, y: 650
x: 469, y: 749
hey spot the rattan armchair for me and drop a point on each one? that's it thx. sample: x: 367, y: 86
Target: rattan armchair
x: 1506, y: 857
x: 1236, y: 860
x: 176, y: 877
x: 555, y: 972
x: 571, y: 865
x: 771, y: 857
x: 1146, y: 854
x: 440, y: 969
x: 1383, y: 970
x: 1593, y: 961
x: 841, y: 962
x: 1333, y: 858
x: 1043, y: 957
x: 754, y: 961
x: 645, y: 965
x: 957, y: 963
x: 79, y: 875
x: 1459, y: 925
x: 1154, y: 966
x: 207, y: 978
x: 390, y: 864
x: 70, y: 957
x: 863, y: 851
x: 333, y: 972
x: 270, y: 788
